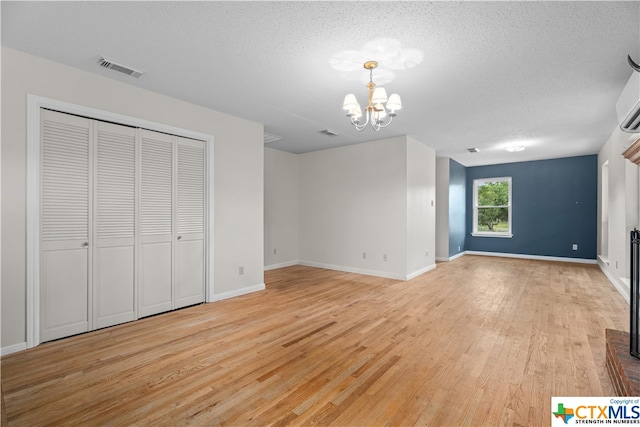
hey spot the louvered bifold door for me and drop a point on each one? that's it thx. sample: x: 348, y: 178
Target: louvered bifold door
x: 64, y: 225
x: 156, y: 223
x: 190, y: 222
x: 114, y: 231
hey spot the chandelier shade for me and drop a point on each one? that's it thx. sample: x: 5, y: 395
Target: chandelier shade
x: 375, y: 112
x: 394, y: 102
x: 379, y: 96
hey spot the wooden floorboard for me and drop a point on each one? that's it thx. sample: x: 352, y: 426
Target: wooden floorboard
x: 479, y: 341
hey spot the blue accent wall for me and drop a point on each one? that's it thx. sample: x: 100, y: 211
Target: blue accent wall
x: 457, y: 207
x: 554, y: 205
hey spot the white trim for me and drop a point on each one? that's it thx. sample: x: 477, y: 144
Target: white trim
x: 238, y: 292
x: 353, y: 270
x: 209, y: 248
x: 34, y: 105
x: 456, y: 256
x: 620, y: 286
x: 281, y: 265
x: 603, y: 259
x: 421, y: 271
x: 33, y: 223
x: 498, y: 234
x: 13, y: 348
x: 537, y: 257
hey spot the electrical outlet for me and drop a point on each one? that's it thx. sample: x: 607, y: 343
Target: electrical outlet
x: 426, y: 253
x: 240, y: 270
x: 458, y: 248
x: 275, y: 251
x: 364, y: 255
x: 574, y: 247
x: 384, y: 257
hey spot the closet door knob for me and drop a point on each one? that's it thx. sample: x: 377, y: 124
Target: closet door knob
x: 179, y: 237
x: 85, y: 244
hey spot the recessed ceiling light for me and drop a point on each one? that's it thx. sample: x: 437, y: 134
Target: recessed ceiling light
x: 514, y: 148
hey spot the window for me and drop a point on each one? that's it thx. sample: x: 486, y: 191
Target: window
x: 492, y: 207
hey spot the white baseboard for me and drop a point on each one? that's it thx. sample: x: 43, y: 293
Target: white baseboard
x: 456, y: 256
x: 538, y: 257
x: 621, y: 287
x: 377, y: 273
x: 238, y: 292
x: 421, y: 271
x: 281, y: 265
x: 352, y: 269
x: 13, y: 348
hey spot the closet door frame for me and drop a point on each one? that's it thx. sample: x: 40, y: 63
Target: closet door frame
x: 34, y: 105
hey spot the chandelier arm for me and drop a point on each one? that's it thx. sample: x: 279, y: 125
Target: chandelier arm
x: 387, y: 123
x: 360, y: 127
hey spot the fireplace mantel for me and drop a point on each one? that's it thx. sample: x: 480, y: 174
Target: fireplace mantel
x: 633, y: 153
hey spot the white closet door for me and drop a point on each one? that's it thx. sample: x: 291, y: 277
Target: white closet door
x: 65, y: 224
x: 114, y: 231
x: 156, y: 223
x: 190, y: 221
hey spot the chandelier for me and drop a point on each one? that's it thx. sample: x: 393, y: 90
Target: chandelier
x: 376, y: 112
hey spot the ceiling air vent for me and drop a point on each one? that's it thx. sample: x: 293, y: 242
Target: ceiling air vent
x: 120, y: 67
x: 473, y: 150
x: 329, y: 132
x: 269, y: 138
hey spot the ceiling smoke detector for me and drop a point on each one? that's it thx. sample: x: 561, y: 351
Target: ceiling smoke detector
x: 110, y: 64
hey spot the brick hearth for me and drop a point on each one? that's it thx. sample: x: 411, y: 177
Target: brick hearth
x: 623, y: 369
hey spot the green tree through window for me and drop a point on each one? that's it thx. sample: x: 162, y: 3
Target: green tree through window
x: 492, y: 206
x: 493, y: 202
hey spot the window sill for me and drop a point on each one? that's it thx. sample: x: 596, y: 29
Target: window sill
x: 502, y: 235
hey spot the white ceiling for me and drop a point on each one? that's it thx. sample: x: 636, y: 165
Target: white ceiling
x: 546, y: 74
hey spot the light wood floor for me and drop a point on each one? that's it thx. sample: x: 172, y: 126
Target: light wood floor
x: 478, y: 341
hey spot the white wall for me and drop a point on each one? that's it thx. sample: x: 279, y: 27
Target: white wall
x: 421, y: 209
x: 280, y: 208
x: 442, y: 208
x: 366, y: 199
x: 238, y: 172
x: 622, y: 202
x: 353, y: 201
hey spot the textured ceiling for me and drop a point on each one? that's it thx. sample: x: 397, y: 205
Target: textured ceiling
x: 545, y: 75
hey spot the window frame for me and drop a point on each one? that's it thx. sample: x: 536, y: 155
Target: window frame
x: 476, y: 185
